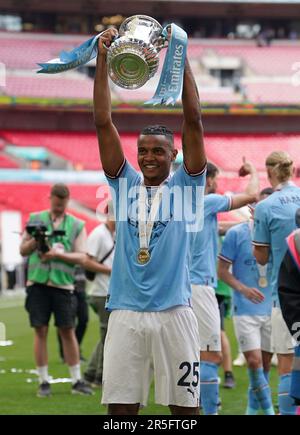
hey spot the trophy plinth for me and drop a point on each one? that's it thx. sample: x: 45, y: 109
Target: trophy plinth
x: 133, y: 57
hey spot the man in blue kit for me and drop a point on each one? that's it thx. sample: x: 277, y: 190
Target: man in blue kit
x: 152, y: 326
x: 274, y: 220
x: 203, y: 273
x: 252, y: 305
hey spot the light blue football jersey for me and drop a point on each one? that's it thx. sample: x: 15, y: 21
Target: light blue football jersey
x: 204, y: 244
x: 274, y: 220
x: 237, y: 250
x: 164, y: 281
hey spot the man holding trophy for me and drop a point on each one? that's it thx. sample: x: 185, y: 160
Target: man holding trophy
x: 152, y: 327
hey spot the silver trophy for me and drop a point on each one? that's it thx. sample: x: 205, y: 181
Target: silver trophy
x: 133, y: 57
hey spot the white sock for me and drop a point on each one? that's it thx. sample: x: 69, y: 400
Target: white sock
x: 43, y: 374
x: 75, y: 373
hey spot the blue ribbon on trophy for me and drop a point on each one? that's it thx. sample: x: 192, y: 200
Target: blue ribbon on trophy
x: 72, y: 59
x: 133, y: 57
x: 169, y: 88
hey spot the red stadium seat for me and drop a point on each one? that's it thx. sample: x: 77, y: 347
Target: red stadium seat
x: 78, y: 148
x: 7, y: 163
x: 31, y: 197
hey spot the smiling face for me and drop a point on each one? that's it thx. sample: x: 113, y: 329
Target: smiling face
x: 155, y: 156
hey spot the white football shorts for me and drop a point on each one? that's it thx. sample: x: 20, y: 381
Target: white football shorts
x: 282, y: 341
x: 206, y: 308
x: 140, y: 344
x: 253, y: 332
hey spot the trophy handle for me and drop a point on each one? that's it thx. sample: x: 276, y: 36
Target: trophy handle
x: 113, y: 40
x: 162, y: 42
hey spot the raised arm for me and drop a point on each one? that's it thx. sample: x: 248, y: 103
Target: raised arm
x: 192, y: 131
x: 110, y: 149
x: 252, y: 189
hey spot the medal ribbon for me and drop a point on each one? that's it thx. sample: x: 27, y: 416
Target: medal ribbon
x: 262, y: 271
x: 146, y: 223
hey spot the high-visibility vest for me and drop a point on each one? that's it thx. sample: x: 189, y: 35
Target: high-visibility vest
x: 56, y: 271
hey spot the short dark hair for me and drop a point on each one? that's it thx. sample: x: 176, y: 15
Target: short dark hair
x: 212, y: 170
x: 60, y: 190
x: 159, y: 130
x: 267, y: 191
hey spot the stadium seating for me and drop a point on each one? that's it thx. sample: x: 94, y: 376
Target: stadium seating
x: 6, y: 162
x: 226, y: 151
x: 279, y: 58
x: 262, y: 81
x: 272, y: 93
x: 31, y: 197
x: 81, y: 149
x: 24, y: 50
x: 59, y: 86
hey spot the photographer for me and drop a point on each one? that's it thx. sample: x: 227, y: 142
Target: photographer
x: 55, y: 244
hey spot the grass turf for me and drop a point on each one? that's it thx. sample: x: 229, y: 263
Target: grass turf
x: 19, y: 397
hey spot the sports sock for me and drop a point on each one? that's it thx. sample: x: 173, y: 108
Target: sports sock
x: 43, y: 374
x: 209, y: 387
x: 285, y: 401
x: 295, y: 376
x: 75, y: 373
x: 253, y: 404
x: 261, y: 390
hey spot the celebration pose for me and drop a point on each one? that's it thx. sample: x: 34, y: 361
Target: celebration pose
x: 152, y: 325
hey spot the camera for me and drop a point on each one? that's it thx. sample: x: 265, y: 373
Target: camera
x: 39, y: 231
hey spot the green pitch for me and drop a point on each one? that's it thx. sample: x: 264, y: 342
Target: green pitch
x: 19, y: 396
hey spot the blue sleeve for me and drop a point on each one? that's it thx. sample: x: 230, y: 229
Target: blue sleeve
x: 182, y: 178
x: 261, y: 234
x: 228, y: 251
x: 190, y: 196
x: 215, y: 203
x: 126, y: 179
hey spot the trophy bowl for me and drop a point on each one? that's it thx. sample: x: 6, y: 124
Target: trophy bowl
x: 133, y: 57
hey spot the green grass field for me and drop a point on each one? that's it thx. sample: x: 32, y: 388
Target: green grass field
x: 17, y: 396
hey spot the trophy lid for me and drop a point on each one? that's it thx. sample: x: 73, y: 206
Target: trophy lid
x: 137, y: 23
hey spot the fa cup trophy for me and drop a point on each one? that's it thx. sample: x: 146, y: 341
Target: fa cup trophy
x: 133, y: 57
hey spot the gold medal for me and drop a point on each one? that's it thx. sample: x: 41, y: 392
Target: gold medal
x: 263, y: 282
x: 143, y: 256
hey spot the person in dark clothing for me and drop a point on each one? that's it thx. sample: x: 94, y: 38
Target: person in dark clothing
x: 82, y: 310
x: 289, y: 296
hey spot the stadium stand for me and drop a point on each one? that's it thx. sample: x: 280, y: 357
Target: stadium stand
x: 272, y: 93
x: 252, y: 78
x: 59, y: 86
x: 225, y: 151
x: 6, y: 162
x: 22, y: 51
x: 81, y: 149
x: 30, y: 197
